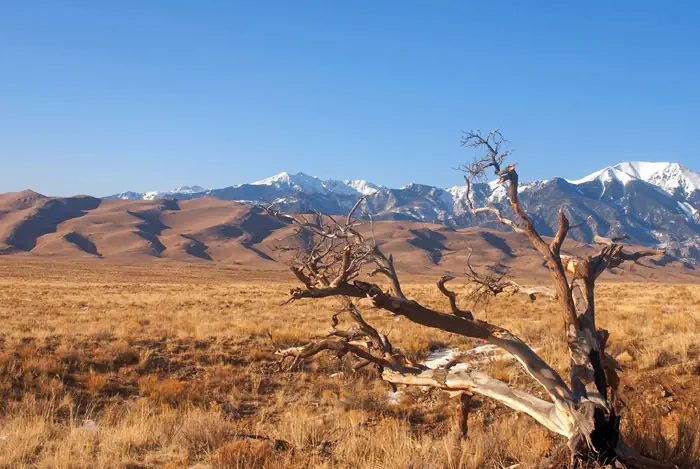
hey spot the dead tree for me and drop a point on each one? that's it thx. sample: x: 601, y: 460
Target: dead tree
x: 580, y: 410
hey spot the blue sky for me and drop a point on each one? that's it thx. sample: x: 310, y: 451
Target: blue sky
x: 103, y: 96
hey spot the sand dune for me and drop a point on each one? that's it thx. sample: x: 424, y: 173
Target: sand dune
x: 209, y: 230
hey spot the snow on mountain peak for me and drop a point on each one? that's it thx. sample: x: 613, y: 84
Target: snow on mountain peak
x: 153, y: 195
x: 675, y: 176
x: 304, y: 183
x: 298, y: 182
x: 281, y: 178
x: 362, y: 186
x: 188, y: 190
x: 667, y: 176
x: 673, y: 179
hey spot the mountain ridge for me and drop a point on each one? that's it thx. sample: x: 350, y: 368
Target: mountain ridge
x: 656, y: 204
x: 661, y: 174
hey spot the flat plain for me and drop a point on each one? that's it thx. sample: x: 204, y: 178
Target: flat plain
x: 173, y: 366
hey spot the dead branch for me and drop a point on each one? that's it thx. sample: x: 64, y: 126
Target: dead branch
x: 555, y: 245
x: 452, y: 297
x: 493, y: 283
x: 582, y: 412
x: 494, y: 156
x: 484, y: 286
x: 473, y: 381
x: 476, y: 211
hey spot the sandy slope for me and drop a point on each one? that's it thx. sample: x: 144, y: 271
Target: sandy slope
x: 210, y: 230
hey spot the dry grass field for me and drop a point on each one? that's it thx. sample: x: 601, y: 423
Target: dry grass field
x: 107, y: 366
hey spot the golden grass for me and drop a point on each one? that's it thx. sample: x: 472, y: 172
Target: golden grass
x: 171, y: 367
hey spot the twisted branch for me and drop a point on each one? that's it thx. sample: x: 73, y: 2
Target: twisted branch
x: 452, y: 297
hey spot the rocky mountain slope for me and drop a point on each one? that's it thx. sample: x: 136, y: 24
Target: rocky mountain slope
x: 656, y: 204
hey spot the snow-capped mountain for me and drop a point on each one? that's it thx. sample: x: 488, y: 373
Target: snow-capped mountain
x: 656, y: 204
x: 301, y: 182
x: 676, y: 180
x: 297, y: 182
x: 152, y: 195
x: 282, y: 183
x: 670, y: 177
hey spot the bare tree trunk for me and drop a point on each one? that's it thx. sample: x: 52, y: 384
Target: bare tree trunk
x: 581, y: 411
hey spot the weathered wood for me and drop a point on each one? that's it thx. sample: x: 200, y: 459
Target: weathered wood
x: 544, y: 412
x: 596, y: 421
x: 583, y: 413
x: 452, y: 297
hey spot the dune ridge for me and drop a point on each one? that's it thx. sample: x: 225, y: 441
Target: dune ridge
x: 209, y: 230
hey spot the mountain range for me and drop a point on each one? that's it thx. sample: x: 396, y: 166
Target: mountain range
x: 428, y: 229
x: 654, y: 203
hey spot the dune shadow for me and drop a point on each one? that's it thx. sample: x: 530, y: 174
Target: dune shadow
x: 46, y: 219
x: 156, y: 246
x: 498, y: 243
x: 82, y: 243
x: 171, y: 204
x: 196, y: 248
x: 151, y: 222
x: 429, y: 241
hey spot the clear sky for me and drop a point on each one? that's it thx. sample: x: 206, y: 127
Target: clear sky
x: 105, y: 96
